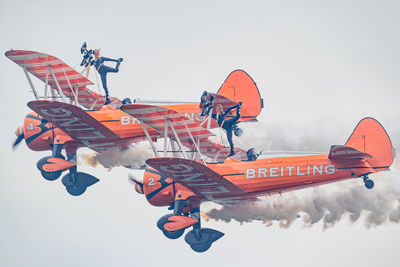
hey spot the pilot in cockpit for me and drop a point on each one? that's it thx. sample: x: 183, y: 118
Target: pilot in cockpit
x: 252, y: 154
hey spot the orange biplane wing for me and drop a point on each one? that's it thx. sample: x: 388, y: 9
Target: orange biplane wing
x: 77, y: 123
x: 156, y: 116
x: 198, y: 178
x: 57, y: 74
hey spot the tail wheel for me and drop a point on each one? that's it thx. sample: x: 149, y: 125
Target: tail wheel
x: 369, y: 184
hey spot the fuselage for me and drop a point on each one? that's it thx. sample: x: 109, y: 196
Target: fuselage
x: 260, y: 177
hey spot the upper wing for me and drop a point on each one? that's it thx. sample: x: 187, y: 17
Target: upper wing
x: 71, y: 82
x: 156, y: 116
x: 77, y: 123
x: 198, y: 178
x: 340, y: 152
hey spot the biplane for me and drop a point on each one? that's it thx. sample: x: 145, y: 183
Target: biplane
x: 183, y: 184
x: 68, y: 116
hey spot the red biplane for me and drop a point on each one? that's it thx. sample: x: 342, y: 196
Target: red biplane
x: 68, y: 115
x: 184, y: 184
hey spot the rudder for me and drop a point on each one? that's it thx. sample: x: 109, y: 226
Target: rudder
x: 370, y: 137
x: 239, y: 86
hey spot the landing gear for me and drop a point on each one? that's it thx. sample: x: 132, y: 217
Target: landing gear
x: 201, y: 239
x: 173, y: 226
x: 51, y: 168
x: 76, y: 183
x: 49, y: 176
x: 369, y: 184
x: 170, y: 234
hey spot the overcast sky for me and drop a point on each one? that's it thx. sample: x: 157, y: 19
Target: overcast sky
x: 320, y: 66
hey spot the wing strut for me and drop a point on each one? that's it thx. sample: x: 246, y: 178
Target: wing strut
x: 75, y: 101
x: 195, y: 144
x: 177, y: 139
x: 165, y: 137
x: 149, y: 138
x: 30, y: 82
x: 46, y: 83
x: 57, y: 84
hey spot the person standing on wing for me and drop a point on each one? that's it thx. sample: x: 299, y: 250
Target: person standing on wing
x: 227, y: 124
x: 206, y: 102
x: 103, y: 70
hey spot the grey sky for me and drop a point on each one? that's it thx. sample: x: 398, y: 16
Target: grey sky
x: 320, y: 67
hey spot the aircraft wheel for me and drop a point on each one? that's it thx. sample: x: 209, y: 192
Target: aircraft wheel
x: 200, y: 240
x: 369, y: 184
x: 76, y: 190
x: 170, y: 234
x: 238, y: 132
x: 51, y: 176
x: 173, y: 234
x: 201, y: 247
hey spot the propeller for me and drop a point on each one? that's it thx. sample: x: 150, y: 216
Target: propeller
x: 20, y: 136
x: 136, y: 182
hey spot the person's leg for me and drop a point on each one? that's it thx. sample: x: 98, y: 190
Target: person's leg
x: 234, y: 119
x: 103, y: 76
x: 229, y: 136
x: 108, y: 69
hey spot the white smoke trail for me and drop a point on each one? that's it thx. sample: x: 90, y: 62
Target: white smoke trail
x: 133, y: 157
x: 328, y: 203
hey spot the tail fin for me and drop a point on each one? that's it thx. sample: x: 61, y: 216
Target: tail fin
x: 240, y: 87
x: 370, y: 137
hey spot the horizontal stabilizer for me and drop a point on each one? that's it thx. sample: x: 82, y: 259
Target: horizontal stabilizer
x: 339, y: 152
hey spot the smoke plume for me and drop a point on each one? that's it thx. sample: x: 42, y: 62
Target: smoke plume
x: 328, y: 204
x: 133, y: 157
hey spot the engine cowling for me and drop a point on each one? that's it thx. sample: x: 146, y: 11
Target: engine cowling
x: 158, y: 188
x: 38, y: 132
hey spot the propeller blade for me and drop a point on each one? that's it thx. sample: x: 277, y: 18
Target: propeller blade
x: 18, y: 140
x: 134, y: 180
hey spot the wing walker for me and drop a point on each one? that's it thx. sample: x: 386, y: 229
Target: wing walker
x: 68, y: 115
